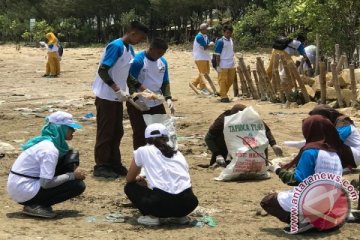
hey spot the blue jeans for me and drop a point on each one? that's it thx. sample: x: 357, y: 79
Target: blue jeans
x: 61, y: 193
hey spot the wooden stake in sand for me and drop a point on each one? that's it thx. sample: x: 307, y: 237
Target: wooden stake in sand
x: 260, y: 91
x: 322, y: 79
x: 337, y: 85
x: 244, y: 87
x: 286, y: 83
x: 353, y: 83
x: 340, y: 64
x: 211, y: 83
x: 194, y: 88
x: 328, y: 65
x: 261, y: 71
x: 317, y: 56
x: 248, y: 78
x: 296, y: 74
x: 235, y: 86
x: 337, y: 52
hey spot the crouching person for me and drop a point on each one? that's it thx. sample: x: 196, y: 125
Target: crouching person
x: 165, y: 190
x: 46, y: 173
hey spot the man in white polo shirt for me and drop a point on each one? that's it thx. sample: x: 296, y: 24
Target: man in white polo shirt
x: 201, y: 57
x: 224, y: 50
x: 150, y: 69
x: 111, y: 90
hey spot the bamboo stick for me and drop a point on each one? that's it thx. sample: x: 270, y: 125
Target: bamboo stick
x: 317, y: 56
x: 337, y: 52
x: 353, y: 83
x: 258, y: 86
x: 299, y: 80
x: 337, y: 85
x: 262, y: 71
x: 340, y: 64
x: 244, y: 88
x: 322, y: 80
x: 248, y: 79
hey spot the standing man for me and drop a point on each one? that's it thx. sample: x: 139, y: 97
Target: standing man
x: 150, y: 70
x: 202, y: 58
x: 111, y: 90
x: 224, y: 51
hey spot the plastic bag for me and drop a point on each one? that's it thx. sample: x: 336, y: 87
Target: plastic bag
x: 246, y: 141
x: 169, y: 123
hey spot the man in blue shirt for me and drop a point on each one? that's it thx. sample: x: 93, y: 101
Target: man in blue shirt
x: 111, y: 91
x: 150, y: 70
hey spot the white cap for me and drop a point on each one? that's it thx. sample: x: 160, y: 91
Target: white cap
x: 156, y: 130
x: 203, y: 26
x: 63, y: 118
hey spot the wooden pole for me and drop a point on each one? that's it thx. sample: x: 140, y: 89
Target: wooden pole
x: 346, y: 62
x: 328, y: 65
x: 262, y: 84
x: 340, y: 64
x: 317, y: 56
x: 194, y: 88
x: 337, y: 52
x: 275, y: 83
x: 248, y: 78
x: 299, y: 80
x: 266, y: 78
x: 353, y: 84
x: 211, y: 83
x: 337, y: 85
x: 244, y: 88
x: 322, y: 80
x: 235, y: 87
x: 259, y: 88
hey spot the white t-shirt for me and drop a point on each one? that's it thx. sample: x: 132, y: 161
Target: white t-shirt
x: 225, y: 48
x: 168, y: 174
x: 353, y: 140
x: 37, y: 161
x: 292, y: 47
x: 328, y: 162
x: 118, y: 58
x: 199, y: 52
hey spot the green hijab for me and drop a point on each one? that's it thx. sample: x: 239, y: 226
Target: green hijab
x: 54, y: 133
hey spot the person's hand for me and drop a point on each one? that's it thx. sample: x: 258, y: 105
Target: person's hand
x: 171, y: 106
x: 220, y: 160
x: 141, y: 180
x: 211, y: 44
x: 79, y: 174
x: 218, y: 69
x: 273, y: 168
x: 277, y: 150
x: 122, y: 96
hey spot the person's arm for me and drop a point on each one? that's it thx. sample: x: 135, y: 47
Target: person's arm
x: 218, y: 49
x: 201, y: 41
x: 136, y: 65
x: 344, y: 132
x: 269, y: 135
x: 56, y: 181
x: 133, y: 172
x: 165, y: 87
x: 112, y: 53
x: 301, y: 50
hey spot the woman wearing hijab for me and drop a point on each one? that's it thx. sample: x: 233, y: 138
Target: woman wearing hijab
x: 165, y: 191
x: 53, y: 58
x: 32, y: 181
x: 318, y: 155
x: 215, y: 141
x: 348, y: 133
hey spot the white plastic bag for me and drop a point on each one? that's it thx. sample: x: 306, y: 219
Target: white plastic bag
x: 246, y: 141
x: 166, y: 120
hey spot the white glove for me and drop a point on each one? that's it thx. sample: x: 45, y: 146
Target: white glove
x: 274, y: 167
x: 122, y: 96
x: 218, y: 69
x: 220, y: 160
x: 171, y: 105
x: 211, y: 44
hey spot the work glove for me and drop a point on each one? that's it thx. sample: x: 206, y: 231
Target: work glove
x: 218, y: 69
x: 273, y: 168
x: 211, y: 44
x: 277, y: 150
x: 122, y: 96
x: 171, y: 105
x: 220, y: 160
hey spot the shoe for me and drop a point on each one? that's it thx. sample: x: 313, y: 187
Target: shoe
x: 39, y: 211
x: 45, y: 75
x: 225, y: 100
x: 179, y: 220
x: 120, y: 170
x: 149, y: 220
x: 104, y: 172
x: 204, y: 91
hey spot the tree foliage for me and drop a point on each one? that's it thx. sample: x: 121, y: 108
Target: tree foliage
x: 256, y: 22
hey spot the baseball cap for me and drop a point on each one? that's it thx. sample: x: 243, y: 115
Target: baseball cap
x: 63, y: 118
x: 156, y: 130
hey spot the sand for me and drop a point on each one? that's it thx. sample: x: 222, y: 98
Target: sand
x: 233, y: 204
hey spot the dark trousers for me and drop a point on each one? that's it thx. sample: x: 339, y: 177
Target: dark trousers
x: 138, y: 124
x: 61, y: 193
x: 109, y: 120
x: 271, y: 205
x: 159, y: 203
